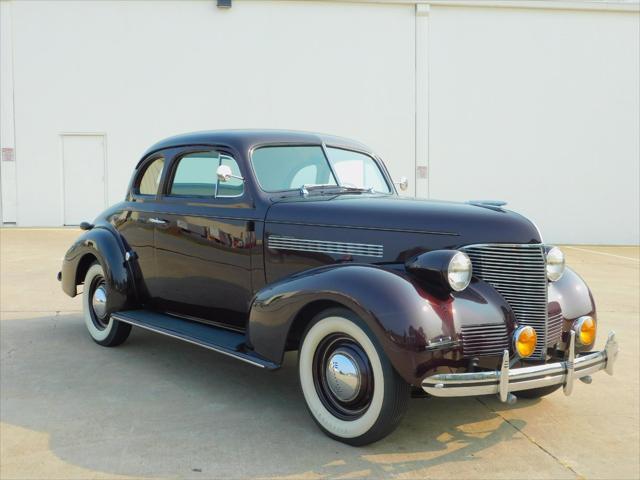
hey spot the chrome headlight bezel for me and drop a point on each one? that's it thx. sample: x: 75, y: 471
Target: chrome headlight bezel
x: 446, y: 270
x: 577, y: 327
x: 516, y: 339
x: 555, y: 263
x: 459, y: 271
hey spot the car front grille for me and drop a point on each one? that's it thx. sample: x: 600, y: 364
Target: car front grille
x: 554, y: 329
x: 484, y: 340
x: 517, y: 272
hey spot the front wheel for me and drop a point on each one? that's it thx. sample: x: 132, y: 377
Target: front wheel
x: 97, y: 310
x: 352, y: 391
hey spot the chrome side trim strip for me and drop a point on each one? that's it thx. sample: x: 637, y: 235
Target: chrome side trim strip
x: 276, y: 242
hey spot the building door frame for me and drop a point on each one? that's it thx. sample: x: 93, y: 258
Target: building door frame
x: 62, y: 135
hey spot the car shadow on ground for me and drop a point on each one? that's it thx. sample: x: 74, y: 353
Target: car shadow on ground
x: 158, y: 407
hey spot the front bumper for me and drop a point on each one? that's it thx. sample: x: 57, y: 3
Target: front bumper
x: 507, y: 380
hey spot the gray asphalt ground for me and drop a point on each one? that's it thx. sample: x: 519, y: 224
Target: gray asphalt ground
x: 155, y: 407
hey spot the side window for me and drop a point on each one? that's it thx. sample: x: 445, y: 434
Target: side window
x: 234, y: 187
x: 195, y: 175
x: 150, y: 180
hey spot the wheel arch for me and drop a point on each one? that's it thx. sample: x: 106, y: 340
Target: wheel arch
x: 84, y: 264
x: 104, y: 246
x: 401, y: 315
x: 304, y: 317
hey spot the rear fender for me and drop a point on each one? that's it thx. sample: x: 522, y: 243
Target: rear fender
x: 105, y: 246
x: 417, y: 330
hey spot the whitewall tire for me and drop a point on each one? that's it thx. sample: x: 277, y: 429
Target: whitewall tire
x: 97, y: 310
x: 351, y: 389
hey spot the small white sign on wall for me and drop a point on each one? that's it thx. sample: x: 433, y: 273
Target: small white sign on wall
x: 8, y: 155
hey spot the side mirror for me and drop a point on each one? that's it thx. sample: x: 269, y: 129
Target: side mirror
x: 403, y: 183
x: 224, y: 173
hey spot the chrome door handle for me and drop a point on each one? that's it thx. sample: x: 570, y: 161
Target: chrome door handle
x: 158, y: 221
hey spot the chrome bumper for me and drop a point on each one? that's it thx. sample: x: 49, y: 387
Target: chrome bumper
x: 506, y: 380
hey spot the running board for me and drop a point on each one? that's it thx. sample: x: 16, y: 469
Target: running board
x: 213, y: 338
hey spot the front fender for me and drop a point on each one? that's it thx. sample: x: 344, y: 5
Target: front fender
x: 408, y: 321
x: 105, y: 246
x: 571, y: 297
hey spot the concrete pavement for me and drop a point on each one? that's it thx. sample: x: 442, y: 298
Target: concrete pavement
x: 156, y: 407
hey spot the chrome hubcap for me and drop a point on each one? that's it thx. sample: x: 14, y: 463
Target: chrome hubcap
x: 343, y: 377
x: 99, y: 301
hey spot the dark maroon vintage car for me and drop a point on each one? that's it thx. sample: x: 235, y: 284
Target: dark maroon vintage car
x: 253, y: 243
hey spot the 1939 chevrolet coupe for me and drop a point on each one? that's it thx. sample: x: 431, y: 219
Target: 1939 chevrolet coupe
x: 253, y: 243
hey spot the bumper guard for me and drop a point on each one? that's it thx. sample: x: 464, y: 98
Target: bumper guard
x: 507, y: 380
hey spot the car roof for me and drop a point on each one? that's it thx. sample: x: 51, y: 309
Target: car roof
x: 246, y: 139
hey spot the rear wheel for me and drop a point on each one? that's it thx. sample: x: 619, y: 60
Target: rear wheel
x: 352, y: 391
x: 103, y: 329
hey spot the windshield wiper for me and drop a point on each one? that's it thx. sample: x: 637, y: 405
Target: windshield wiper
x: 336, y: 189
x: 304, y: 189
x: 356, y: 189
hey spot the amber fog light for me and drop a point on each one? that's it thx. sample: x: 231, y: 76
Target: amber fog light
x: 585, y: 328
x: 524, y: 341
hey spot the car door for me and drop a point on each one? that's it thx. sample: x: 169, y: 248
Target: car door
x: 205, y: 241
x: 136, y: 223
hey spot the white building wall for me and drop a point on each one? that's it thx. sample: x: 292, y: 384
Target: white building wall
x: 143, y: 70
x: 540, y: 108
x: 537, y: 106
x: 8, y: 173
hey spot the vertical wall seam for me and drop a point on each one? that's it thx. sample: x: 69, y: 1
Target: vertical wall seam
x: 13, y: 108
x: 422, y: 12
x: 416, y: 147
x: 428, y: 96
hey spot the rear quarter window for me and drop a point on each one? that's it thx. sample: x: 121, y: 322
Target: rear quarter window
x: 149, y: 180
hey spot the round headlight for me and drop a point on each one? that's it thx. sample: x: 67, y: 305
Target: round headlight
x: 555, y: 264
x: 459, y: 271
x: 524, y: 341
x: 585, y: 328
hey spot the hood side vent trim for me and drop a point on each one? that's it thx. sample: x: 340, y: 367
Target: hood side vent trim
x: 276, y: 242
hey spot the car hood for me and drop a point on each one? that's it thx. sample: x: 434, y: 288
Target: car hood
x: 448, y: 224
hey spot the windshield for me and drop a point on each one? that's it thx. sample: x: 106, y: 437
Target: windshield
x: 290, y: 167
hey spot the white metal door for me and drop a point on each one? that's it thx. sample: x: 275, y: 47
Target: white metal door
x: 83, y: 176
